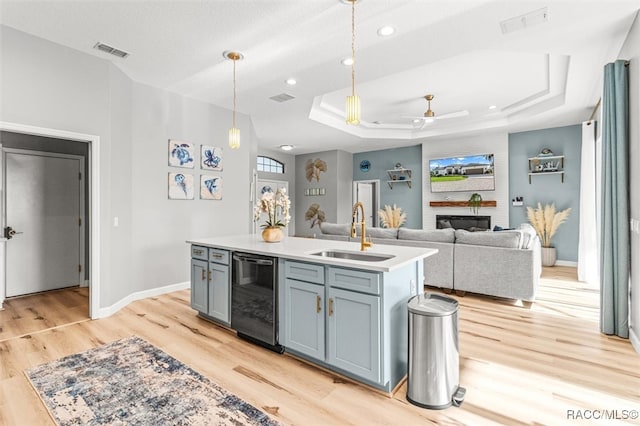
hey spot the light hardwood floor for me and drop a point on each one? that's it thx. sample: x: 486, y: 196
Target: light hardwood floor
x: 520, y: 365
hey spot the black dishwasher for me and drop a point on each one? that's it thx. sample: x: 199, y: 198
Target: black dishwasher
x: 254, y: 299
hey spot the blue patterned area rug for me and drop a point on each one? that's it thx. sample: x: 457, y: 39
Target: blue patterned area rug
x: 131, y: 381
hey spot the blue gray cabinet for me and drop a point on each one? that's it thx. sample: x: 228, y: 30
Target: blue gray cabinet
x: 354, y: 333
x: 211, y: 283
x: 304, y: 319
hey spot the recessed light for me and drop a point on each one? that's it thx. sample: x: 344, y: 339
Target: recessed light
x: 286, y: 147
x: 291, y: 81
x: 386, y: 31
x: 492, y: 107
x: 347, y: 62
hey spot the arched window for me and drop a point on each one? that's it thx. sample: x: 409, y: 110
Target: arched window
x: 268, y: 164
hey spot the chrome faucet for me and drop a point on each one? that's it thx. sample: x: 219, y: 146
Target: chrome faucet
x: 363, y: 243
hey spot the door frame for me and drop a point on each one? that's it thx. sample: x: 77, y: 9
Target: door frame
x: 93, y: 181
x: 376, y: 197
x: 81, y: 213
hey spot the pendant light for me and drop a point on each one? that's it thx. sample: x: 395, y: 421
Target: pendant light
x: 234, y: 132
x: 353, y: 101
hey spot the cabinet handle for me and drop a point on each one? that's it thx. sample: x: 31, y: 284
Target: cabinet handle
x: 330, y: 306
x: 318, y: 308
x: 209, y: 275
x: 197, y: 252
x: 217, y: 256
x: 204, y: 275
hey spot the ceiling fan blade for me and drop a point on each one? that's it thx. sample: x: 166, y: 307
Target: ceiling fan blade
x: 456, y: 114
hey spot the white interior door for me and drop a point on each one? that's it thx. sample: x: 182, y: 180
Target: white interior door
x: 366, y: 193
x: 43, y: 195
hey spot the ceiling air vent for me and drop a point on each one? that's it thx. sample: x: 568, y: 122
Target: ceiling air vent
x: 524, y: 21
x: 282, y: 97
x: 111, y: 50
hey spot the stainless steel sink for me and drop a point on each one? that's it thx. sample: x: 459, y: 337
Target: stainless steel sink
x: 354, y: 255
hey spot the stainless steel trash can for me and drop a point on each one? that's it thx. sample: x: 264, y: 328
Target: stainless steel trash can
x: 433, y: 372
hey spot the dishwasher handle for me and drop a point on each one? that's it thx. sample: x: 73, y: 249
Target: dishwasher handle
x: 250, y: 259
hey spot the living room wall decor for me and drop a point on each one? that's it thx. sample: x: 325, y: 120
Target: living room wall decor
x: 180, y: 186
x: 313, y: 168
x: 181, y: 154
x: 211, y: 158
x: 210, y: 187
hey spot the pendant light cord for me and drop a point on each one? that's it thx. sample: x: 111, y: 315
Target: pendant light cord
x: 353, y: 47
x: 234, y: 92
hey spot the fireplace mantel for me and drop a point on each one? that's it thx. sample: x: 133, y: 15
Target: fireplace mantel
x: 460, y: 203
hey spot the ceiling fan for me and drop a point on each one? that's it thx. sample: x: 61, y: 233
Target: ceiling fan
x: 429, y: 116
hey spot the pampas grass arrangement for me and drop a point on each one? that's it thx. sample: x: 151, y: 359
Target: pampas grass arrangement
x: 392, y: 217
x: 545, y: 220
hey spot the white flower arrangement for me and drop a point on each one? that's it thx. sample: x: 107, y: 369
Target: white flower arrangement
x: 276, y: 206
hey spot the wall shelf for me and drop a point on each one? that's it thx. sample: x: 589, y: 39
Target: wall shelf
x: 546, y: 165
x: 491, y: 203
x: 399, y: 176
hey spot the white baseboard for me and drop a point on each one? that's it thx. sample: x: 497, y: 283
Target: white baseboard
x: 635, y: 339
x: 566, y: 263
x: 110, y: 310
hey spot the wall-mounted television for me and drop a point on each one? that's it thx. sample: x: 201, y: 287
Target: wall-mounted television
x: 462, y: 173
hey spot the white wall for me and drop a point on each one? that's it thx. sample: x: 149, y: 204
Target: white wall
x: 289, y: 161
x: 496, y: 143
x: 47, y: 85
x: 631, y: 52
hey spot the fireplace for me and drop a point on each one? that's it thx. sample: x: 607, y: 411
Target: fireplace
x: 469, y: 222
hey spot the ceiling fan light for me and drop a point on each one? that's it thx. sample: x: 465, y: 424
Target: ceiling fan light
x: 353, y: 110
x: 429, y: 119
x: 234, y: 138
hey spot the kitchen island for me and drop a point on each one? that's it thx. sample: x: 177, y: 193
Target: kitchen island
x: 335, y: 306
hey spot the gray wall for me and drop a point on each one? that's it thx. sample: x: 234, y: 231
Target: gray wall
x: 545, y: 189
x: 409, y: 199
x: 46, y: 85
x: 631, y: 52
x: 336, y: 181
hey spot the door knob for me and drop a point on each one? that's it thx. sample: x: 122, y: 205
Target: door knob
x: 9, y: 232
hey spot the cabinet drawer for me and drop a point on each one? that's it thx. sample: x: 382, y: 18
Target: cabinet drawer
x: 366, y: 282
x: 199, y: 252
x: 219, y: 256
x: 308, y: 272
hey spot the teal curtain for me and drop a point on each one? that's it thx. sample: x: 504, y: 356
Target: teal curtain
x: 615, y: 249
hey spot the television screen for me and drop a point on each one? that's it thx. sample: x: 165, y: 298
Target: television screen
x: 464, y: 173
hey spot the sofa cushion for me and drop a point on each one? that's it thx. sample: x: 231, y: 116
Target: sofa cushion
x: 505, y: 239
x: 528, y: 235
x: 335, y: 228
x: 439, y: 235
x: 379, y: 232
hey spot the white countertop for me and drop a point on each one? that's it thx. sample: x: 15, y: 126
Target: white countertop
x: 297, y: 248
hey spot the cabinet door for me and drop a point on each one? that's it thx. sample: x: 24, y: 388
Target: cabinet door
x: 219, y: 291
x: 199, y: 285
x: 354, y: 333
x: 304, y: 318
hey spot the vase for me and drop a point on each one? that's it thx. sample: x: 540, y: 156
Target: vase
x: 549, y: 256
x: 272, y: 235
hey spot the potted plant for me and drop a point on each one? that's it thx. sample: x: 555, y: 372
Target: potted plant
x: 276, y: 206
x: 545, y: 220
x: 475, y: 202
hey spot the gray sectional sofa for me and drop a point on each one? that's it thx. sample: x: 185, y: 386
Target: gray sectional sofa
x: 503, y: 264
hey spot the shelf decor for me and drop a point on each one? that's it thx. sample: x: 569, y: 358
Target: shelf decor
x: 399, y: 175
x: 546, y: 163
